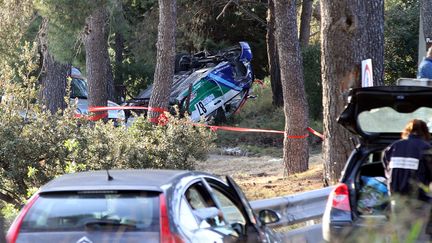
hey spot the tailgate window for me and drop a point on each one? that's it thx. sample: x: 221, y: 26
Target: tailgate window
x: 388, y: 120
x: 72, y: 211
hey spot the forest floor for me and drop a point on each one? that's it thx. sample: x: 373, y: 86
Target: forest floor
x: 264, y: 176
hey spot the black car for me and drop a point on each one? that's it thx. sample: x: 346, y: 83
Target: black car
x: 377, y: 115
x: 140, y: 206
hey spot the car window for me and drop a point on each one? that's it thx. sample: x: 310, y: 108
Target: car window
x: 230, y: 211
x: 76, y: 211
x: 187, y: 218
x: 388, y: 120
x: 195, y: 198
x: 79, y: 88
x: 203, y: 207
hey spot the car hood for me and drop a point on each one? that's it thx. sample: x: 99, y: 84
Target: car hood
x: 380, y: 113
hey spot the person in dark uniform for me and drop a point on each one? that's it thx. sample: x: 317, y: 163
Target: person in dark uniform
x: 408, y: 175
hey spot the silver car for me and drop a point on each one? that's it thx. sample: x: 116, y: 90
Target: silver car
x: 140, y: 206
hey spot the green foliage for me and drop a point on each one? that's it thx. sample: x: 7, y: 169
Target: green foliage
x: 15, y: 18
x: 401, y: 40
x: 260, y: 113
x: 256, y: 113
x: 38, y: 149
x: 405, y: 222
x: 312, y: 79
x: 200, y: 29
x: 66, y: 24
x: 38, y: 146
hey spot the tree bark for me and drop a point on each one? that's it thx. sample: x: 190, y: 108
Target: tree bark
x: 273, y: 58
x: 118, y: 75
x: 346, y: 39
x: 426, y: 17
x: 97, y: 58
x: 306, y: 16
x: 296, y: 150
x: 53, y: 78
x: 110, y: 80
x: 374, y: 30
x: 164, y: 71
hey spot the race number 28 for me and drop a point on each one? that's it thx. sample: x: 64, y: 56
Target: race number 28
x: 201, y: 108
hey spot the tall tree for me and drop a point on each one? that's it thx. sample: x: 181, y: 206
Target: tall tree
x: 53, y: 78
x: 373, y: 41
x: 426, y: 16
x: 96, y: 46
x: 164, y: 71
x: 305, y: 21
x: 296, y: 152
x: 273, y: 57
x: 346, y: 40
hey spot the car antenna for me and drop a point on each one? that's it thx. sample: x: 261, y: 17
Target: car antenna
x: 110, y: 178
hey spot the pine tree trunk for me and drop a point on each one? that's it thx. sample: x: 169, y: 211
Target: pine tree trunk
x: 97, y: 58
x: 426, y: 17
x: 346, y: 40
x: 164, y: 71
x: 375, y: 39
x: 273, y: 58
x: 306, y: 15
x: 296, y: 150
x: 53, y: 78
x: 118, y: 75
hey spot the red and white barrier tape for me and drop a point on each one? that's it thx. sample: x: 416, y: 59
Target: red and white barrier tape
x: 163, y: 120
x: 113, y: 108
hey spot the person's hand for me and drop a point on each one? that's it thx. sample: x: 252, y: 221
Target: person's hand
x: 220, y: 215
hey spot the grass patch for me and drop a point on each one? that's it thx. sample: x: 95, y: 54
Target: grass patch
x: 261, y: 114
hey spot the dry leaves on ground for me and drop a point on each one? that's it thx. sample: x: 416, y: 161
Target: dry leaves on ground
x: 263, y: 177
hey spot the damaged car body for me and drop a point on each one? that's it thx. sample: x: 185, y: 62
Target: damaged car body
x: 209, y: 87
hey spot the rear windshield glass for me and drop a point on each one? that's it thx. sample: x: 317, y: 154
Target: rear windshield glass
x: 79, y: 88
x: 388, y: 120
x: 136, y: 211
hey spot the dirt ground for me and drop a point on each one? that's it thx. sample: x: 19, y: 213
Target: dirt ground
x: 263, y: 177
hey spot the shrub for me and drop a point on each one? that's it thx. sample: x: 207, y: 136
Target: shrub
x: 38, y: 146
x: 45, y: 146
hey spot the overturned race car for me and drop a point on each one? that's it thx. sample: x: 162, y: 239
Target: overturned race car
x: 206, y: 86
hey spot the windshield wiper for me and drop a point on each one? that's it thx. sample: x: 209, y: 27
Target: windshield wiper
x: 103, y: 223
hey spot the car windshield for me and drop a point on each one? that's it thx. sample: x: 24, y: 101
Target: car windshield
x: 388, y: 120
x: 79, y: 88
x: 79, y: 211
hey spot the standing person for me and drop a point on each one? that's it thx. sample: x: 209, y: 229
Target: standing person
x: 408, y: 175
x: 425, y: 67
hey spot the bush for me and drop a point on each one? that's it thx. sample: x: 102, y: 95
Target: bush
x: 45, y: 146
x: 38, y: 146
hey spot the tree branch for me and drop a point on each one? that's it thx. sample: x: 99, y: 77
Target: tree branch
x: 244, y: 10
x: 9, y: 199
x: 224, y: 9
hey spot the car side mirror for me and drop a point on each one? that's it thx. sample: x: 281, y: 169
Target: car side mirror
x: 267, y: 216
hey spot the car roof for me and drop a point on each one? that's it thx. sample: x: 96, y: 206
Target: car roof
x: 146, y: 179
